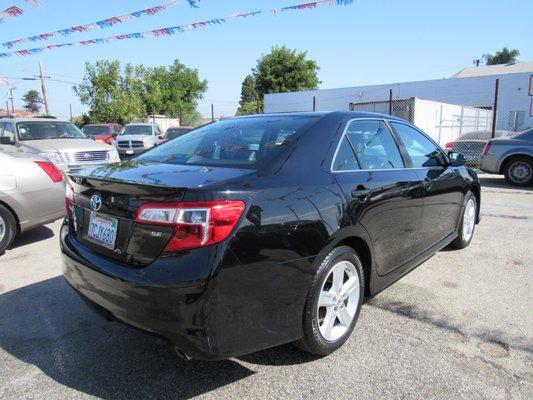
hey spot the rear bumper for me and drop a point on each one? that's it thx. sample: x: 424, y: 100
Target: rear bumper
x: 143, y: 298
x: 489, y: 163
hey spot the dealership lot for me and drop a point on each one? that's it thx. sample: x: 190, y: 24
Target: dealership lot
x: 459, y: 326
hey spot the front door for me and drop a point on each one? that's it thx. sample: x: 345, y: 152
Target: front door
x: 442, y: 186
x: 381, y: 193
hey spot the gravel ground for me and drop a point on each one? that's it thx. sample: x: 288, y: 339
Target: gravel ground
x: 458, y: 327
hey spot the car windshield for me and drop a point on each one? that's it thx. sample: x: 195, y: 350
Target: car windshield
x: 42, y: 130
x: 241, y: 142
x: 96, y: 130
x: 137, y: 130
x: 174, y: 133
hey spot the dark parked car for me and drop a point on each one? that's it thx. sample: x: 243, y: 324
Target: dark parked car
x: 257, y: 231
x: 471, y: 145
x: 178, y: 131
x: 105, y: 133
x: 512, y: 157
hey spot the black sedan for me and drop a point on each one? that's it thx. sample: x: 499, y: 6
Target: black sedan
x: 257, y: 231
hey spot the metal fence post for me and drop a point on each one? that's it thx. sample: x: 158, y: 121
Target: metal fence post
x: 495, y: 108
x: 314, y: 103
x: 390, y: 101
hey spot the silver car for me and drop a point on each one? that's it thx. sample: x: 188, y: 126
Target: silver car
x: 137, y: 138
x: 32, y: 193
x: 512, y: 157
x: 59, y: 141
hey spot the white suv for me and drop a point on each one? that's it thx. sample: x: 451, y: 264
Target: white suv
x: 59, y: 141
x: 137, y: 138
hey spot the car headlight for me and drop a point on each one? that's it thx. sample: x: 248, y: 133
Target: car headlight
x: 114, y: 156
x: 53, y: 157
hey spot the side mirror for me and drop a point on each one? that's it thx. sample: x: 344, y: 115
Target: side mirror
x: 456, y: 159
x: 6, y: 140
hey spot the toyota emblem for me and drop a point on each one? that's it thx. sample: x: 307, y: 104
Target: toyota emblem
x: 96, y: 202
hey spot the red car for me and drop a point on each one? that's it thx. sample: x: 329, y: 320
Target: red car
x: 104, y: 133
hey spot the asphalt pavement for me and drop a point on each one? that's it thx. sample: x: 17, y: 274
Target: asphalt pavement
x: 458, y: 327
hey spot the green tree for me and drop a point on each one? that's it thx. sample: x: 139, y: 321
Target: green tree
x: 249, y: 97
x: 505, y: 56
x: 32, y: 101
x: 111, y: 95
x: 285, y: 70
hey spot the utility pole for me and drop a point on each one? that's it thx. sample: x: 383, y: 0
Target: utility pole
x: 212, y: 113
x: 70, y: 109
x: 43, y: 87
x: 11, y: 98
x: 495, y: 109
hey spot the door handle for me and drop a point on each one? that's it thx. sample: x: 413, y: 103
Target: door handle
x: 361, y: 193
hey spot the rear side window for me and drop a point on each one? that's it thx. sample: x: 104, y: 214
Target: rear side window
x: 422, y: 151
x: 242, y: 142
x: 374, y: 145
x: 345, y: 159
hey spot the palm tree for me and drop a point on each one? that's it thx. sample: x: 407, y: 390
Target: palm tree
x: 505, y: 56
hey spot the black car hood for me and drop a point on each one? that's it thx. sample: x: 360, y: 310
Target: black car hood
x: 158, y: 174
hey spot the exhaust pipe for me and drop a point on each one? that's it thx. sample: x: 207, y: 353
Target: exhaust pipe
x: 182, y: 354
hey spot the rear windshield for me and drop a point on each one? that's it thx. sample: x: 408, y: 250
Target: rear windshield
x: 137, y: 130
x: 243, y: 142
x: 174, y: 133
x: 40, y: 130
x: 526, y: 135
x: 96, y: 130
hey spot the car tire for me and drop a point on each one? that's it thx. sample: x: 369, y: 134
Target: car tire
x: 518, y: 171
x: 467, y: 225
x: 8, y: 228
x: 326, y: 328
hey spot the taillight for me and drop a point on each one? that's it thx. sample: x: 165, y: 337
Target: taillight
x: 195, y: 224
x: 69, y: 199
x: 51, y: 170
x: 449, y: 146
x: 486, y: 148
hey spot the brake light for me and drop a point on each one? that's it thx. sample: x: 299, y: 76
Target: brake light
x: 69, y: 199
x: 449, y: 146
x: 196, y: 225
x: 51, y: 170
x: 486, y: 148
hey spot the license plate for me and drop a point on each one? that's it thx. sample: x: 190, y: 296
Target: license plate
x: 102, y: 230
x: 129, y: 151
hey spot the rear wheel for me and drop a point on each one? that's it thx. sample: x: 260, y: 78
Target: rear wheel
x: 333, y: 303
x: 468, y: 222
x: 519, y: 171
x: 8, y: 228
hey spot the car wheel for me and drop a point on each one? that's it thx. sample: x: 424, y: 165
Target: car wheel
x: 334, y: 302
x: 519, y: 171
x: 8, y: 228
x: 467, y: 225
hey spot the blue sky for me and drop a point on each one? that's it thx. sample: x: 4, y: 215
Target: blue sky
x: 371, y: 42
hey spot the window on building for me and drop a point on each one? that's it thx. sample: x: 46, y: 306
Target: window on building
x: 516, y: 120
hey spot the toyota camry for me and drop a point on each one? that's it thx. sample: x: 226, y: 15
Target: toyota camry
x: 256, y: 231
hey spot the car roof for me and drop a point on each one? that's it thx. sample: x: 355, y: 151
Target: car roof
x: 339, y: 114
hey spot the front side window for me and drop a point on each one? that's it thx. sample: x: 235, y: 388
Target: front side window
x: 374, y: 145
x: 242, y: 142
x: 422, y: 151
x: 42, y: 130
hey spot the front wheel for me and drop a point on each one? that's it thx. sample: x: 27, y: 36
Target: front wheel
x: 333, y: 303
x: 8, y: 228
x: 468, y: 222
x: 519, y: 171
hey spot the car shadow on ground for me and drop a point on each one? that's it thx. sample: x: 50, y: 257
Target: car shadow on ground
x: 499, y: 182
x: 47, y: 325
x: 35, y: 235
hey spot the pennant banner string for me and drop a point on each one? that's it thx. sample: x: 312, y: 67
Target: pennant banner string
x: 105, y: 23
x: 10, y: 12
x: 176, y: 29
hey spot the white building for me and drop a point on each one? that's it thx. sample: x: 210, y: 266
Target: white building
x: 473, y: 87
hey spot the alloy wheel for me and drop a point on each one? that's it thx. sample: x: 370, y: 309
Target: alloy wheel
x: 338, y: 301
x: 469, y: 219
x: 520, y: 172
x: 2, y: 228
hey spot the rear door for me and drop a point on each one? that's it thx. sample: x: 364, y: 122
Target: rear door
x: 442, y: 185
x: 380, y: 191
